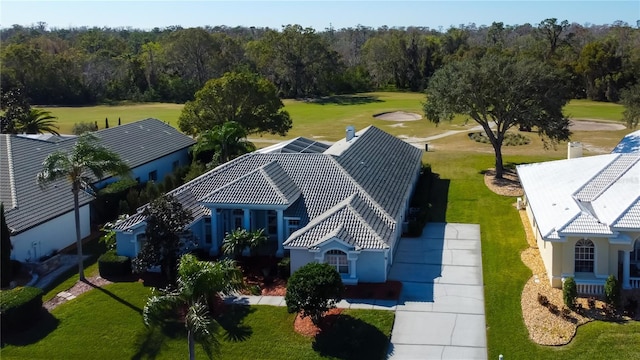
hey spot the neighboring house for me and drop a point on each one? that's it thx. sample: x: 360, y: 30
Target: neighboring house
x: 343, y: 204
x: 585, y: 214
x: 42, y: 220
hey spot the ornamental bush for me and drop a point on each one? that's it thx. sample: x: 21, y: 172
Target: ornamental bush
x: 313, y: 289
x: 111, y: 264
x: 19, y: 308
x: 569, y: 292
x: 612, y: 290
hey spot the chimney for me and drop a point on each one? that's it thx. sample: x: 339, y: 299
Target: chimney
x: 574, y: 150
x: 351, y: 133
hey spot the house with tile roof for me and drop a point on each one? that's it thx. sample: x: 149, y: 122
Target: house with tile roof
x: 42, y: 220
x: 585, y: 214
x: 343, y: 204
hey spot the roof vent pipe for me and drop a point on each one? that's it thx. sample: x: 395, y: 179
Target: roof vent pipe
x: 351, y: 133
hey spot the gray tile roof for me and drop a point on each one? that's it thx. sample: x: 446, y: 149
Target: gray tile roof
x: 326, y: 191
x: 585, y: 223
x: 630, y: 219
x: 27, y: 205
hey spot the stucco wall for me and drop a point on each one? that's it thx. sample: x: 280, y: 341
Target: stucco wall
x: 163, y: 167
x: 125, y: 244
x: 299, y: 258
x: 55, y: 234
x: 371, y: 267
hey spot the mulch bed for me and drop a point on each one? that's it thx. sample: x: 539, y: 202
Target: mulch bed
x: 306, y: 327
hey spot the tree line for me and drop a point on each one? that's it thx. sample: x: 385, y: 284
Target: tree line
x: 78, y: 66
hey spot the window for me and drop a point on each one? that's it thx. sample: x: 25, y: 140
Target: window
x: 272, y: 222
x: 153, y: 175
x: 292, y: 226
x: 207, y: 230
x: 238, y: 219
x: 337, y: 259
x: 584, y: 256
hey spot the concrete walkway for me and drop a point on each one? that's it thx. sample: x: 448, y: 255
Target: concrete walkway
x: 368, y: 304
x: 441, y: 310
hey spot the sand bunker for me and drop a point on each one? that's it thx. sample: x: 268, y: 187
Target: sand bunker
x: 585, y: 125
x: 398, y: 116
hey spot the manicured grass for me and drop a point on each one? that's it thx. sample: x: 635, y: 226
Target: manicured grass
x: 469, y: 201
x: 588, y: 109
x: 107, y: 324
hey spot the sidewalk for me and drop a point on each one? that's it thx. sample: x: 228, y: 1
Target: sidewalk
x: 367, y: 304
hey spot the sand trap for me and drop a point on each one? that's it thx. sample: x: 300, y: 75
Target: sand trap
x: 585, y: 125
x: 398, y: 116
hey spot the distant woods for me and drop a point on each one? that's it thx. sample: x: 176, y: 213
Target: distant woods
x: 78, y: 66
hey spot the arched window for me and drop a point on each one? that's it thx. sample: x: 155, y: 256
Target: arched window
x: 584, y: 256
x: 337, y: 259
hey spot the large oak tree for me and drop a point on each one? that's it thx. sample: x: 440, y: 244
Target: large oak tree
x: 500, y: 93
x: 246, y: 98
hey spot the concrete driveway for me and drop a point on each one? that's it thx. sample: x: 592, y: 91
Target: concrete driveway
x: 441, y: 310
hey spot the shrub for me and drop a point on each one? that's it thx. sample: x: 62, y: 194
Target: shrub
x: 284, y: 267
x: 313, y: 289
x: 612, y: 290
x: 543, y: 300
x: 554, y: 309
x: 510, y: 139
x: 569, y: 292
x: 83, y: 127
x: 111, y: 264
x: 20, y: 307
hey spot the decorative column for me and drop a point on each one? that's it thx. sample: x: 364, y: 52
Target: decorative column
x: 280, y: 220
x: 214, y: 232
x: 246, y: 222
x: 625, y: 270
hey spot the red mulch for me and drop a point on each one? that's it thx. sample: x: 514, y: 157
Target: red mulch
x: 305, y: 326
x: 262, y: 271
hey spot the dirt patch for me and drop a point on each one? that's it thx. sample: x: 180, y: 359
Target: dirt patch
x: 398, y: 116
x: 306, y: 327
x: 509, y: 185
x: 586, y: 125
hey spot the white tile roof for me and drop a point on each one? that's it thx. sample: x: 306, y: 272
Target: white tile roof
x: 590, y: 195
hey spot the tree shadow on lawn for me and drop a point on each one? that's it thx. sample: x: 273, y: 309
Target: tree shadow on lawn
x: 346, y: 100
x: 351, y: 338
x: 43, y: 326
x: 151, y: 341
x: 115, y: 297
x: 231, y: 320
x: 437, y: 198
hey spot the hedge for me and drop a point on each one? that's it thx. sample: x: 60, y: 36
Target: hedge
x: 20, y: 307
x: 111, y: 264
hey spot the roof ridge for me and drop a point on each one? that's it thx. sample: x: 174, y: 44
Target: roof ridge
x: 582, y: 194
x: 12, y: 180
x: 320, y: 218
x: 365, y: 222
x: 270, y: 180
x: 625, y: 211
x: 361, y: 190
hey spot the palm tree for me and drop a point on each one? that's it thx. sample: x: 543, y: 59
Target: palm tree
x: 87, y: 158
x: 197, y: 282
x: 37, y: 121
x: 228, y: 141
x: 239, y: 239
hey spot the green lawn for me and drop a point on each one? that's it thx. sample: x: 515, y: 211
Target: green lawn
x: 320, y: 119
x: 469, y: 201
x: 107, y: 324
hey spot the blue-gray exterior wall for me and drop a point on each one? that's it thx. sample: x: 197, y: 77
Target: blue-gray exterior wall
x: 162, y: 166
